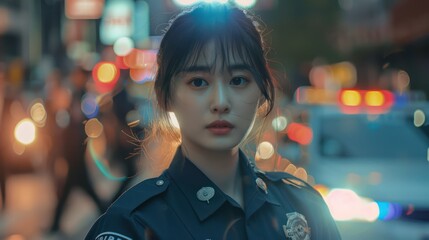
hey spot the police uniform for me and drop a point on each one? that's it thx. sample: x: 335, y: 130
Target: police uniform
x: 183, y: 204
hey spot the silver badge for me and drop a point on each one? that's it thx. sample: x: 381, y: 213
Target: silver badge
x: 205, y: 194
x: 296, y: 228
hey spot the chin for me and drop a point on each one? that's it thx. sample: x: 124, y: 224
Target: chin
x: 222, y: 145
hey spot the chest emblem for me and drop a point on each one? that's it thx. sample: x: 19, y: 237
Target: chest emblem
x: 296, y: 227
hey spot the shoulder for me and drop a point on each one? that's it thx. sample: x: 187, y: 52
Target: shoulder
x: 303, y: 199
x: 120, y: 221
x: 140, y: 194
x: 286, y: 180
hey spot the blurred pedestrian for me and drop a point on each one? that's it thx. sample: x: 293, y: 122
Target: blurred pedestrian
x: 73, y: 149
x: 123, y: 140
x: 11, y: 112
x: 213, y: 75
x: 57, y: 101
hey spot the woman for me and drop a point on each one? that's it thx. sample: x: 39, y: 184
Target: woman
x: 213, y: 75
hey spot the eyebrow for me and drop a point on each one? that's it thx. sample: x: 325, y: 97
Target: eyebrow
x: 200, y: 68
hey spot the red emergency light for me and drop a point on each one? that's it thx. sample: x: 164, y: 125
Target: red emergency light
x: 352, y: 101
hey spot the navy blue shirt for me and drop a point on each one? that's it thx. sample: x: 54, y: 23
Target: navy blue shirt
x: 172, y: 206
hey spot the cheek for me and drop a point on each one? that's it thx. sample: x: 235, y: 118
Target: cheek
x: 185, y: 106
x: 247, y: 107
x: 248, y: 100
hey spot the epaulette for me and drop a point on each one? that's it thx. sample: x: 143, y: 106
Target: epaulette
x: 287, y: 179
x: 140, y: 193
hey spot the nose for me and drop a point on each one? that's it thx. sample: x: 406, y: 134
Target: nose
x: 220, y: 100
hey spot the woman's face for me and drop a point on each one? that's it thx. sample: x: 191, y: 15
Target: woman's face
x: 214, y: 103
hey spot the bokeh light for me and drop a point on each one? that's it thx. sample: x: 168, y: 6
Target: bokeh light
x: 374, y: 98
x: 245, y: 3
x: 140, y: 58
x: 25, y: 131
x: 402, y: 81
x: 89, y: 105
x: 93, y: 128
x: 319, y: 76
x: 107, y: 72
x: 105, y: 75
x: 322, y: 189
x: 265, y: 150
x: 389, y: 211
x: 120, y: 63
x: 301, y: 173
x: 299, y: 133
x: 291, y: 169
x: 345, y: 205
x: 419, y: 118
x: 142, y: 75
x: 123, y: 46
x: 38, y: 114
x: 279, y: 123
x: 351, y: 98
x: 185, y: 2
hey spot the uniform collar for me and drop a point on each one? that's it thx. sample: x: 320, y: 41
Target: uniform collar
x: 190, y: 180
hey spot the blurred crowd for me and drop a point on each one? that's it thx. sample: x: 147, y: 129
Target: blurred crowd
x: 73, y: 137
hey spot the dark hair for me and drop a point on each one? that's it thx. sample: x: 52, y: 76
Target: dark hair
x: 235, y: 32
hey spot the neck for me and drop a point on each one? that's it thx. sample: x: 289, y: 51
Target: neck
x: 221, y: 167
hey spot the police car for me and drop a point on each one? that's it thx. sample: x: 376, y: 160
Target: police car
x: 369, y: 156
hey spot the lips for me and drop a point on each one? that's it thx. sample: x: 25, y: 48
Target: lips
x: 220, y: 127
x: 220, y: 124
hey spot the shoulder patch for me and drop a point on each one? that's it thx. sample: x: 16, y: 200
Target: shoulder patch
x: 140, y: 193
x: 111, y: 236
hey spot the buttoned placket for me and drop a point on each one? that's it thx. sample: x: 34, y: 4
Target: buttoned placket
x: 190, y: 180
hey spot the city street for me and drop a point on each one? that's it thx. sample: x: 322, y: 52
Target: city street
x: 31, y: 201
x: 96, y: 95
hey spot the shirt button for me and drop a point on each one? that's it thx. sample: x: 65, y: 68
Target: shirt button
x: 262, y: 185
x: 160, y: 182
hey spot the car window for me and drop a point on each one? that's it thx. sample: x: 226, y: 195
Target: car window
x: 391, y: 137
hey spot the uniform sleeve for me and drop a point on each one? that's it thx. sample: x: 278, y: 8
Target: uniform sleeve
x: 117, y: 225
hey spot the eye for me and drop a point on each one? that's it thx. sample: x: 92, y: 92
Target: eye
x: 238, y: 81
x: 198, y: 82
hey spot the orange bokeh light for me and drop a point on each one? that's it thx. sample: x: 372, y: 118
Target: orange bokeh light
x: 105, y: 75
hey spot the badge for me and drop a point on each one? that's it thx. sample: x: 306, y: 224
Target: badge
x: 205, y: 194
x: 111, y: 236
x: 296, y: 227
